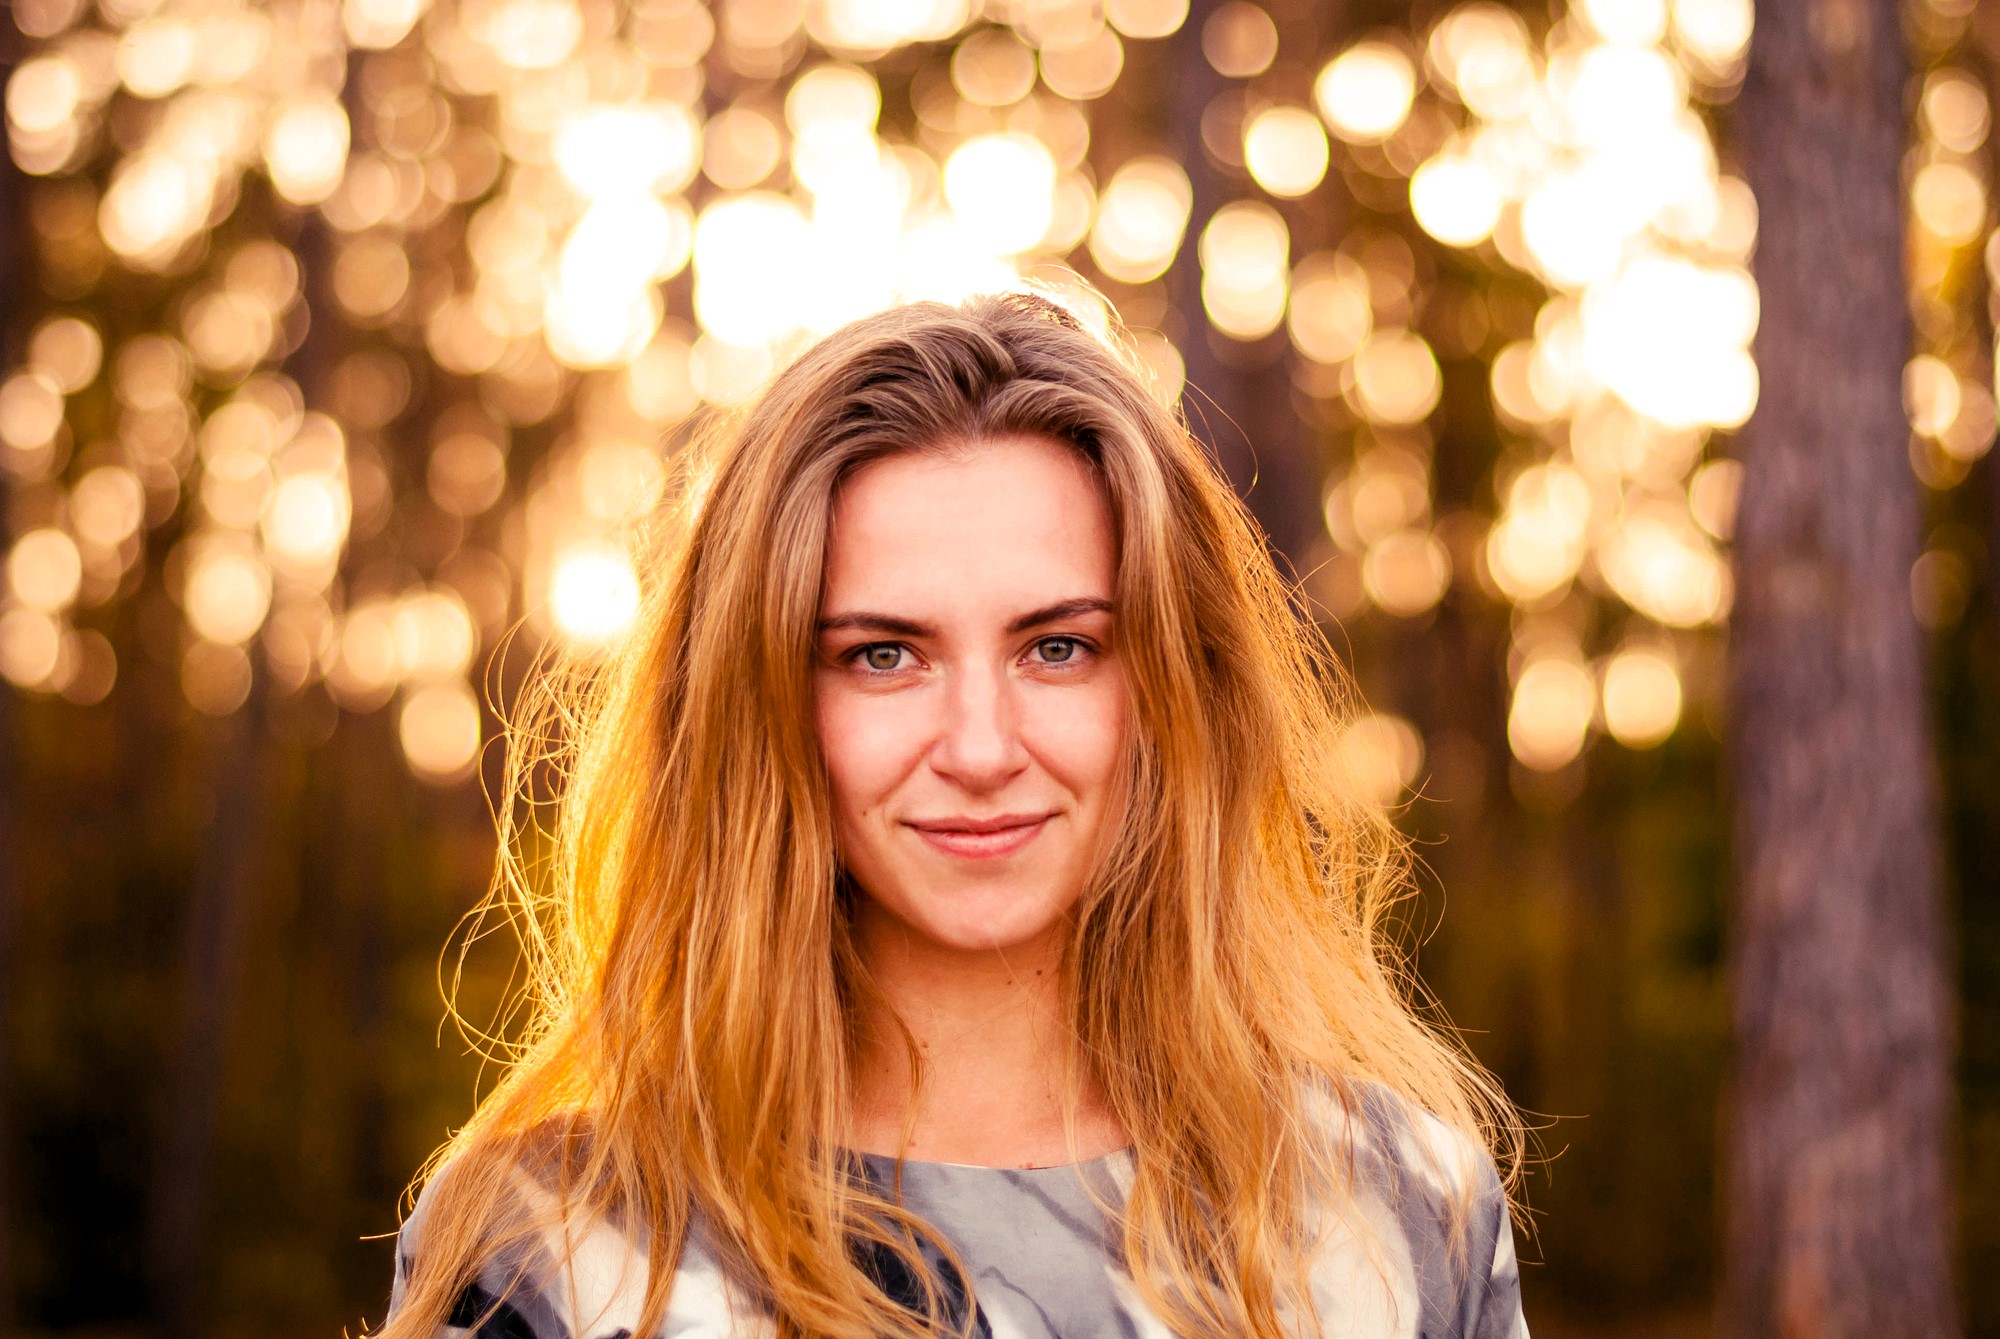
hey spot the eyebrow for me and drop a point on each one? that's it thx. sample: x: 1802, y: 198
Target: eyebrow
x: 894, y: 626
x: 867, y: 622
x: 1055, y: 613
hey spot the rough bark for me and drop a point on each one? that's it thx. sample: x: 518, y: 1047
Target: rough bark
x: 1839, y: 1209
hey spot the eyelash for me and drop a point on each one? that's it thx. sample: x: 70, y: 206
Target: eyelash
x: 1081, y: 644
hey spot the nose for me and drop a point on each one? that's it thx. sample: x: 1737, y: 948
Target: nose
x: 979, y: 744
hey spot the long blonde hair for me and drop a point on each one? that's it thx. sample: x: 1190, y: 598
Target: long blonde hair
x: 689, y: 1039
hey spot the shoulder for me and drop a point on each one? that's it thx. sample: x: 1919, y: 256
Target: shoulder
x: 1431, y: 1199
x: 1402, y: 1147
x: 494, y: 1223
x: 543, y: 1266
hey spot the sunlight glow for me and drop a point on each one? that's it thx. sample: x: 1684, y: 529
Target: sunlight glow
x: 1365, y: 92
x: 594, y: 593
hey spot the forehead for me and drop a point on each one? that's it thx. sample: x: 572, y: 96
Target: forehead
x: 1013, y: 518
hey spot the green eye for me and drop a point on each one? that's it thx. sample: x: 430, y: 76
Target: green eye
x: 882, y: 656
x: 1057, y: 650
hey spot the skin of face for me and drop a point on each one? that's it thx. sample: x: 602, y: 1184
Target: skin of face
x: 969, y: 704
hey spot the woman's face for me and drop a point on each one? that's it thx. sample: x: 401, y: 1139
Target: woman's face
x: 969, y: 706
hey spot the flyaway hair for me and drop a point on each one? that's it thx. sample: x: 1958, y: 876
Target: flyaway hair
x: 1230, y: 981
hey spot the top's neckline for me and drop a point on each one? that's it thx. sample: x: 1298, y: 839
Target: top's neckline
x: 889, y: 1161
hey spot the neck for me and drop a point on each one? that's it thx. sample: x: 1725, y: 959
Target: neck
x: 991, y: 1040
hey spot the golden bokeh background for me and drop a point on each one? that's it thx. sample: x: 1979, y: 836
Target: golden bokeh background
x: 350, y: 343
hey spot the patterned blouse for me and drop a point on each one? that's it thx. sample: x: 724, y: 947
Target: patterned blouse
x: 1040, y: 1255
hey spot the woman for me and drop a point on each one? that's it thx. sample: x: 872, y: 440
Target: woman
x: 958, y: 926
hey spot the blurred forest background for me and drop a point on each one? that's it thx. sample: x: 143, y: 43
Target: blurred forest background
x: 344, y: 341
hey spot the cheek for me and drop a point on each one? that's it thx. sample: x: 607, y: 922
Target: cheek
x: 867, y: 745
x: 1083, y: 738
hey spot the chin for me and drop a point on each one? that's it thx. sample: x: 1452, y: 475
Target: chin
x: 986, y: 938
x: 980, y: 919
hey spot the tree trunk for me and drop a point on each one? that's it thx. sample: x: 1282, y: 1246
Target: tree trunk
x: 225, y: 892
x: 225, y: 885
x: 1839, y: 1207
x: 15, y: 268
x: 1239, y: 405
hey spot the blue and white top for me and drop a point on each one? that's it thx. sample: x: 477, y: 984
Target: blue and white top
x: 1041, y: 1255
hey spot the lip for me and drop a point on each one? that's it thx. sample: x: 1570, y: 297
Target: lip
x: 981, y: 838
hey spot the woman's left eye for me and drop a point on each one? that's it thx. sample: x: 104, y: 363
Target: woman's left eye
x: 1059, y: 650
x: 882, y: 657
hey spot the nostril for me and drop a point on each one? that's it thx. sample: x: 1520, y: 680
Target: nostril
x: 981, y: 731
